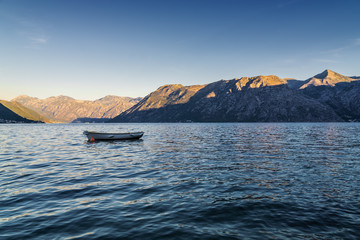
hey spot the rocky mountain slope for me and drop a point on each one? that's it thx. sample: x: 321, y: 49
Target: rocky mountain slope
x: 326, y: 78
x: 16, y: 113
x: 24, y: 112
x: 341, y: 93
x: 67, y: 109
x: 255, y: 99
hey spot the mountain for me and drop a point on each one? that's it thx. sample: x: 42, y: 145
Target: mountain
x: 326, y: 78
x: 8, y: 114
x: 67, y: 109
x: 254, y: 99
x: 24, y: 112
x: 341, y: 93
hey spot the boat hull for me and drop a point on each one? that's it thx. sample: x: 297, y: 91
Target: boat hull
x: 98, y: 136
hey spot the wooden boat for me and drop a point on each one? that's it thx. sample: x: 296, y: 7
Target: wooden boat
x: 95, y: 136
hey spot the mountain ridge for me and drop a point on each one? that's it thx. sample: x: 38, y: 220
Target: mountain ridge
x: 248, y: 99
x: 67, y: 109
x: 326, y: 78
x: 327, y: 96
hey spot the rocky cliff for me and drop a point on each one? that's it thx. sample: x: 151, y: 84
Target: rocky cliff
x: 254, y: 99
x: 67, y: 109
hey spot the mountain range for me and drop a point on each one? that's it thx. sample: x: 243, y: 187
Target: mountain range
x: 326, y: 97
x: 66, y: 109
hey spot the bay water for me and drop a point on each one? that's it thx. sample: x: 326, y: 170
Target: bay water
x: 181, y: 181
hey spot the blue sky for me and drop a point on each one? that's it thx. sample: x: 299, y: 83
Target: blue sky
x: 87, y: 49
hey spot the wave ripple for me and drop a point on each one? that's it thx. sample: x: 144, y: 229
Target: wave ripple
x: 181, y: 181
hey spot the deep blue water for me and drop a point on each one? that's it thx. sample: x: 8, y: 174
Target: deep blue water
x: 181, y: 181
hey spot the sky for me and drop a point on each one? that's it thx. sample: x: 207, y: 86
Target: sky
x: 87, y: 49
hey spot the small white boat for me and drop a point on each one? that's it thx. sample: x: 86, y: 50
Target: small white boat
x: 95, y: 136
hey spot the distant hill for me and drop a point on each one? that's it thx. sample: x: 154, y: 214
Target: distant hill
x: 67, y: 109
x: 326, y: 97
x: 24, y: 112
x: 7, y: 115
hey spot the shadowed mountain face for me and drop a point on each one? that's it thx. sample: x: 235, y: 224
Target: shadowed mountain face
x: 255, y: 99
x: 67, y: 109
x: 343, y: 98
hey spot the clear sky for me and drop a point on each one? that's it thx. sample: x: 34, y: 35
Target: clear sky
x: 87, y: 49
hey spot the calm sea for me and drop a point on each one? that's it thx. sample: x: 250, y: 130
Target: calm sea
x: 181, y: 181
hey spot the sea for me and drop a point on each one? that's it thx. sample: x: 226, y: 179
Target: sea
x: 181, y: 181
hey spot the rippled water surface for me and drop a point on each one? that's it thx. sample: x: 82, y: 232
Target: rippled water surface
x: 181, y: 181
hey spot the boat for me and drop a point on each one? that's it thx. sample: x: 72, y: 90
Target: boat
x: 97, y: 136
